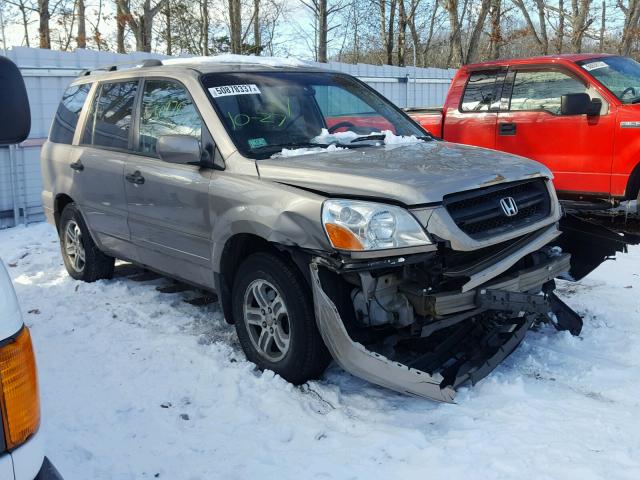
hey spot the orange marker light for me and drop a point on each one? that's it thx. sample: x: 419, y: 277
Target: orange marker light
x: 19, y: 398
x: 342, y: 238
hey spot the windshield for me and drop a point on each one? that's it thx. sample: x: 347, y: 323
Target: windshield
x: 266, y: 112
x: 621, y: 76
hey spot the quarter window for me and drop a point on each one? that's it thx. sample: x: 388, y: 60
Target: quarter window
x: 66, y: 119
x: 480, y: 93
x: 541, y: 90
x: 167, y: 109
x: 109, y: 121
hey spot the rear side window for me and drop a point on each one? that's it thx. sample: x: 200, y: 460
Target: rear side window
x: 480, y: 94
x: 109, y: 121
x: 541, y: 90
x: 66, y: 119
x: 166, y: 109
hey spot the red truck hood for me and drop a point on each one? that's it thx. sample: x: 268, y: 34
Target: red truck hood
x: 411, y: 174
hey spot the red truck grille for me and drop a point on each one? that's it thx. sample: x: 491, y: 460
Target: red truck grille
x: 479, y: 213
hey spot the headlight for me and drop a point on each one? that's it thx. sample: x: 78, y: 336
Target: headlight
x: 356, y: 225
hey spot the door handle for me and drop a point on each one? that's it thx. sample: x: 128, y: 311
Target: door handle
x: 506, y: 128
x: 136, y: 178
x: 77, y: 166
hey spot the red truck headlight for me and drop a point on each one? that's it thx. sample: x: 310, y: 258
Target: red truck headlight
x: 19, y: 397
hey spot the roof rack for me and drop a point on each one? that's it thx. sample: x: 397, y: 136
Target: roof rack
x: 149, y: 62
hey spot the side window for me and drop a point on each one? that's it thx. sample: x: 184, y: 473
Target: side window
x: 480, y: 94
x: 109, y: 120
x: 541, y: 90
x: 166, y: 109
x: 66, y: 119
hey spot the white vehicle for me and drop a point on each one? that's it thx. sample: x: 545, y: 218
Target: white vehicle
x: 21, y: 447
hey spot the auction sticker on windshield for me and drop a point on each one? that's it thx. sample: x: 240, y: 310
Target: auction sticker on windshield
x: 594, y: 66
x: 227, y: 90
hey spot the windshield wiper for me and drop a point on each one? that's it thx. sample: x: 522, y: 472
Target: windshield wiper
x: 364, y: 138
x: 382, y: 136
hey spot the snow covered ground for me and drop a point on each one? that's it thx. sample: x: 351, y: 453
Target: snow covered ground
x: 138, y: 384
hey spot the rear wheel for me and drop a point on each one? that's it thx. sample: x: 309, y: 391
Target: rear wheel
x: 82, y: 258
x: 274, y: 318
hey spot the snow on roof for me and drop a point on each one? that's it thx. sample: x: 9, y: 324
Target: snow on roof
x: 232, y: 58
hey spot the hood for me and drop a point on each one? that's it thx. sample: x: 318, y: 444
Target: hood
x: 412, y: 174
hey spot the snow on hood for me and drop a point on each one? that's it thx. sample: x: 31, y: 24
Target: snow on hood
x: 232, y: 58
x: 411, y: 173
x: 345, y: 137
x: 294, y: 152
x: 342, y: 137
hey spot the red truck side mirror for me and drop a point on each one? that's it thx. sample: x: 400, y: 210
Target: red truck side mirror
x: 579, y: 104
x: 15, y: 117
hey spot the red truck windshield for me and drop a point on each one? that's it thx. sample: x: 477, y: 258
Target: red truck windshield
x: 620, y: 75
x: 265, y: 112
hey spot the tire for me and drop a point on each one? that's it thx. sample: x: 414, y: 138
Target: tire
x: 76, y: 243
x: 295, y: 350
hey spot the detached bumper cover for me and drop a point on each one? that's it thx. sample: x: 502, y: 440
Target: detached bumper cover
x: 476, y: 348
x: 370, y: 366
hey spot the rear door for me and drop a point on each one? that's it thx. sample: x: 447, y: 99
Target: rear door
x: 473, y: 121
x: 578, y: 149
x: 98, y: 165
x: 168, y: 203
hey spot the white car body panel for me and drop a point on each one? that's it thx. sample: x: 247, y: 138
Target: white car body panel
x: 24, y: 462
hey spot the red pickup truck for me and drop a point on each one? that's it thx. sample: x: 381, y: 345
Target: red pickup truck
x: 577, y: 114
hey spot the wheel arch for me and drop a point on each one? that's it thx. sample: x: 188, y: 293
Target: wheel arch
x: 59, y: 203
x: 633, y: 184
x: 237, y: 248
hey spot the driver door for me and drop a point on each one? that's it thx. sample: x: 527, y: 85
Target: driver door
x: 168, y: 204
x: 578, y: 149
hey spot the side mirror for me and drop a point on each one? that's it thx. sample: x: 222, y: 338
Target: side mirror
x: 15, y: 117
x: 183, y: 149
x: 579, y: 104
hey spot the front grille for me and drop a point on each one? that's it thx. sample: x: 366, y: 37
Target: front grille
x: 479, y: 214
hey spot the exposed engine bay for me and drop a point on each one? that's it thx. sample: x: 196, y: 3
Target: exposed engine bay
x: 426, y: 325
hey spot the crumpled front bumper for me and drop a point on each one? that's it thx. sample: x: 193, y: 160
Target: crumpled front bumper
x: 376, y: 368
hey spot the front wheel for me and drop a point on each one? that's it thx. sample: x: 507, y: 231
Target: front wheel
x: 274, y: 318
x: 82, y: 258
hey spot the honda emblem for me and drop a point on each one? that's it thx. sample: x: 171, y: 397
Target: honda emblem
x: 509, y: 206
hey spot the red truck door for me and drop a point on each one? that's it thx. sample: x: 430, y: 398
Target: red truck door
x: 578, y: 149
x: 472, y: 118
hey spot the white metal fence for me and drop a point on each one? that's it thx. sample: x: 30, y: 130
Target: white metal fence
x: 47, y: 73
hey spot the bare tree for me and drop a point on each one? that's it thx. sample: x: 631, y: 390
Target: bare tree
x: 257, y: 37
x: 402, y: 33
x: 81, y: 39
x: 495, y: 37
x: 121, y: 20
x: 580, y: 22
x: 44, y: 32
x: 539, y: 34
x: 141, y: 24
x: 321, y: 15
x: 204, y: 30
x: 168, y: 32
x: 631, y: 12
x: 474, y: 41
x: 455, y: 36
x: 235, y: 25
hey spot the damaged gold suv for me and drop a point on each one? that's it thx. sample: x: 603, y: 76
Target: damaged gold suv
x: 327, y: 222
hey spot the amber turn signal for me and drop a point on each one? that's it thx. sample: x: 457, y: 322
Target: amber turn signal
x: 342, y: 238
x: 19, y: 398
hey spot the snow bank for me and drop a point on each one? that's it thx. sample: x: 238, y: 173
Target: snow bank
x: 231, y: 58
x: 136, y: 384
